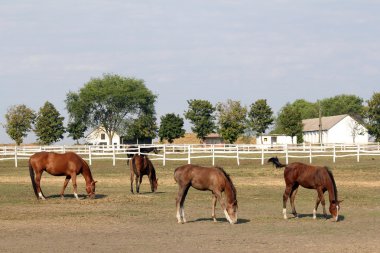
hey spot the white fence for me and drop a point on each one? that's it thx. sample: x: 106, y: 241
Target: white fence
x: 189, y: 153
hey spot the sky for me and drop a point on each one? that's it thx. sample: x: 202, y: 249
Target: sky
x: 245, y: 50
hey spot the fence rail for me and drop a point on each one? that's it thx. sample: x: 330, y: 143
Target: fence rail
x: 192, y: 152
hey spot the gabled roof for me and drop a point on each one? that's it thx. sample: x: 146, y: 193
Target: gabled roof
x: 327, y: 122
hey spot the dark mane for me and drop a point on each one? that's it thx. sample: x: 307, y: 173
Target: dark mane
x: 228, y: 179
x: 329, y: 172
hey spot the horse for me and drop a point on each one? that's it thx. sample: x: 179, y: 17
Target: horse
x: 310, y: 177
x: 140, y: 165
x: 68, y: 164
x: 214, y: 179
x: 143, y: 151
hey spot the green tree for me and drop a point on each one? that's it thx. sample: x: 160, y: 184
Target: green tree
x: 49, y: 124
x: 19, y: 122
x: 374, y: 116
x: 171, y: 127
x: 260, y: 116
x: 110, y: 102
x: 307, y: 109
x: 231, y: 120
x: 201, y: 116
x: 76, y: 129
x: 144, y: 126
x: 343, y: 104
x: 289, y: 122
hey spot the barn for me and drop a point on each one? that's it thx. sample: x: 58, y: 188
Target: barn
x: 335, y: 129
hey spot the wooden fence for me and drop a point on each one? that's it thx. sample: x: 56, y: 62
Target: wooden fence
x: 189, y: 153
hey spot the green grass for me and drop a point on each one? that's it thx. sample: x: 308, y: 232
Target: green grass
x: 119, y: 221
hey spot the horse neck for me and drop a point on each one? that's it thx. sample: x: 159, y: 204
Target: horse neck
x: 229, y: 191
x: 330, y: 186
x: 86, y: 172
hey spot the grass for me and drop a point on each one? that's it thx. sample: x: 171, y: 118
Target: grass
x: 119, y: 221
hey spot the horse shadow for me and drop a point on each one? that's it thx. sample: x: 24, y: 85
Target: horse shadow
x: 319, y: 217
x: 239, y: 221
x: 71, y: 196
x: 148, y: 193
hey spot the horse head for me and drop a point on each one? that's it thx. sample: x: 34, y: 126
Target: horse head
x: 334, y: 209
x: 90, y: 188
x: 231, y: 212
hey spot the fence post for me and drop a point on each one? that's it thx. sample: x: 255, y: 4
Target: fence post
x: 113, y: 156
x: 89, y: 155
x: 358, y: 154
x: 189, y: 154
x: 16, y: 156
x: 310, y: 153
x: 262, y: 154
x: 334, y: 154
x: 164, y: 156
x: 237, y: 154
x: 213, y: 154
x: 286, y: 153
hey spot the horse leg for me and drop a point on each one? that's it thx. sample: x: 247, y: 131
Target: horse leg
x: 38, y: 185
x: 285, y: 197
x: 292, y: 198
x: 137, y: 184
x: 213, y: 207
x: 180, y: 200
x: 132, y: 178
x: 74, y: 181
x: 322, y: 199
x: 218, y: 196
x: 140, y: 180
x: 65, y: 185
x: 317, y: 201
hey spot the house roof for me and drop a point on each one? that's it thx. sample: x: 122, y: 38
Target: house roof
x: 327, y: 123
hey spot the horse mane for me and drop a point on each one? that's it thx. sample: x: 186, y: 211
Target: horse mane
x: 329, y: 172
x: 228, y: 179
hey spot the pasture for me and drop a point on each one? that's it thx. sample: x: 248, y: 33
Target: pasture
x: 117, y: 221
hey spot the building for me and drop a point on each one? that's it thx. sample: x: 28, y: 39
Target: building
x: 274, y: 139
x: 99, y: 137
x: 335, y: 129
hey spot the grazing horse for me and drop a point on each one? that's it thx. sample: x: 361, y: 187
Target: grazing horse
x: 141, y: 165
x: 68, y: 164
x: 310, y: 177
x: 214, y: 179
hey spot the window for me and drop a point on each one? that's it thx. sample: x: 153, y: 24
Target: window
x: 103, y: 136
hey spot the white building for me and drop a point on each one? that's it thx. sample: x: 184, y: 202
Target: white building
x: 274, y: 139
x: 335, y: 129
x: 99, y: 137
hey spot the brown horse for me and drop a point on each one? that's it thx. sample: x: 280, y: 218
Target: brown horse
x: 67, y: 164
x: 140, y: 165
x: 310, y: 177
x: 214, y: 179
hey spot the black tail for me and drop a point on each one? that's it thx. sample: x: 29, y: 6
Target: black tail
x: 276, y: 162
x: 31, y: 172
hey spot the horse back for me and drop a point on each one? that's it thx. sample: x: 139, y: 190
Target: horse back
x: 306, y: 175
x: 57, y: 164
x: 141, y: 165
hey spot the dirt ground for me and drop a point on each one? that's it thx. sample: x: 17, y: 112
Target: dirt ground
x: 117, y: 221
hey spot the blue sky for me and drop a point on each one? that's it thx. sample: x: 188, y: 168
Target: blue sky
x: 244, y: 50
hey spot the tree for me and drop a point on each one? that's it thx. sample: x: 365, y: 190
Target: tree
x: 171, y: 127
x: 76, y: 129
x: 231, y: 120
x: 260, y: 116
x: 143, y: 126
x: 289, y: 122
x: 110, y: 102
x: 374, y: 116
x: 343, y: 104
x: 19, y: 122
x: 307, y: 109
x: 49, y: 124
x: 201, y: 115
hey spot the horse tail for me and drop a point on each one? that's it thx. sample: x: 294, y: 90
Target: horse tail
x: 31, y: 172
x: 276, y: 162
x: 134, y: 168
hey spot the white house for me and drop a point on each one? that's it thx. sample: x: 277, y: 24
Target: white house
x: 99, y: 137
x: 275, y: 139
x: 335, y: 129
